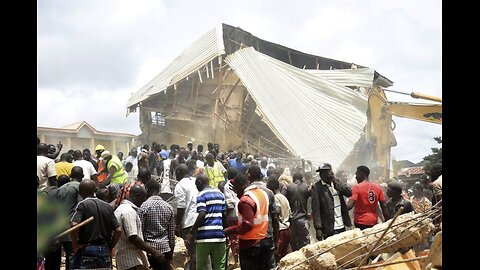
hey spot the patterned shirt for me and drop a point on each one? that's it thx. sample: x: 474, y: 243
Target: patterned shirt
x: 125, y: 191
x: 420, y: 205
x: 158, y: 224
x: 127, y: 255
x: 337, y: 207
x: 212, y: 201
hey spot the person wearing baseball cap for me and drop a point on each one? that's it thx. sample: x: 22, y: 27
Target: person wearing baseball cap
x: 324, y: 166
x: 329, y: 210
x: 116, y: 173
x: 394, y: 192
x: 102, y: 171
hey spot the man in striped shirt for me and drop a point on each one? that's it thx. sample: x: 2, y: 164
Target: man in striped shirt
x: 208, y: 227
x: 329, y: 210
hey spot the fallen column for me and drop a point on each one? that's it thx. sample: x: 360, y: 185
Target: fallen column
x: 346, y: 249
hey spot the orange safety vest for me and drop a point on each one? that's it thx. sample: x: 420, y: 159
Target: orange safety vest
x: 102, y: 171
x: 260, y: 219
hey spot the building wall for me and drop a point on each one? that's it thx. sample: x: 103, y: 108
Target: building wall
x: 86, y: 141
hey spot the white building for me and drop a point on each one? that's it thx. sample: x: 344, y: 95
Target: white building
x: 81, y: 135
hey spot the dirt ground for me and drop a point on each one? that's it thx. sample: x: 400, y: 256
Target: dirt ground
x: 179, y: 257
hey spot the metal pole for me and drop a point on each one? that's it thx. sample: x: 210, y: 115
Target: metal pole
x: 378, y: 241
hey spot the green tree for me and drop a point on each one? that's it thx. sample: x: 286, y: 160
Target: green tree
x: 398, y: 164
x: 435, y: 157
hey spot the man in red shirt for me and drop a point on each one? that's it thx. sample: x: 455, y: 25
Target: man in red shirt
x: 366, y: 196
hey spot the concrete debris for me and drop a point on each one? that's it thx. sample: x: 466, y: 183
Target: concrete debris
x: 325, y: 261
x: 339, y: 249
x: 412, y: 231
x: 180, y: 254
x: 294, y: 258
x: 346, y: 248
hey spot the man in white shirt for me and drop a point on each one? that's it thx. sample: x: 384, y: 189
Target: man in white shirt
x: 132, y: 171
x: 285, y: 212
x: 46, y: 173
x: 131, y: 249
x: 89, y: 171
x: 329, y: 210
x: 132, y: 157
x: 165, y: 173
x: 186, y: 197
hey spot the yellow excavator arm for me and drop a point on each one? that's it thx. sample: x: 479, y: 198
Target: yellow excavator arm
x: 424, y: 112
x: 380, y: 126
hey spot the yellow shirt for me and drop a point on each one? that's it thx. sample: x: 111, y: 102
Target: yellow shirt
x: 63, y: 167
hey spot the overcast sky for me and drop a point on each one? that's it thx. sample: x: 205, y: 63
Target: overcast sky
x: 92, y: 55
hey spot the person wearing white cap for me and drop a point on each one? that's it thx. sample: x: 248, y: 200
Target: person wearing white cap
x: 116, y: 173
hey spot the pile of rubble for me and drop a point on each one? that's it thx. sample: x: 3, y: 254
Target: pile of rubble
x: 180, y: 254
x: 348, y: 248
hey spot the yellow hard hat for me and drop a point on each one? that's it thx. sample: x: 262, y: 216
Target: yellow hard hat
x: 99, y: 147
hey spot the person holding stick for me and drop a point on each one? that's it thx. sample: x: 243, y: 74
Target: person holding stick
x: 93, y: 243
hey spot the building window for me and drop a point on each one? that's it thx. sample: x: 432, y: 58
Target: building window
x: 158, y: 119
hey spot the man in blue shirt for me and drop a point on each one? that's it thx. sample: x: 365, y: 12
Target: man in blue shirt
x: 208, y: 228
x: 237, y: 163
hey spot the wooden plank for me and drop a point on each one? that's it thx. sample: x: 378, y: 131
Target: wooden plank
x: 228, y: 96
x: 200, y: 76
x: 250, y: 122
x: 223, y: 119
x: 234, y: 110
x: 191, y: 93
x: 196, y: 98
x: 174, y: 99
x: 211, y: 69
x: 398, y: 264
x: 215, y: 109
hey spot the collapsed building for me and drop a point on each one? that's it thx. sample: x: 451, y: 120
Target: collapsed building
x: 245, y: 93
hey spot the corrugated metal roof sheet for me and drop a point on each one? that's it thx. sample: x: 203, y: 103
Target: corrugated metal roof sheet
x: 314, y: 117
x: 360, y: 77
x: 410, y: 171
x: 201, y: 52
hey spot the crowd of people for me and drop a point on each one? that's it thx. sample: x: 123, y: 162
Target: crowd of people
x: 257, y: 208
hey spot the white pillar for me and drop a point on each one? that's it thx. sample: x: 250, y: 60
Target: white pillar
x: 68, y: 144
x: 92, y: 145
x: 114, y: 147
